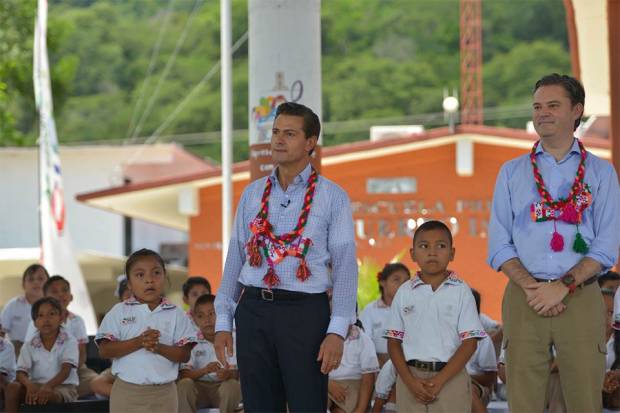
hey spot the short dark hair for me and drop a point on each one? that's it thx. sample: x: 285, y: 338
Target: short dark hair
x: 205, y: 299
x: 476, y: 298
x: 389, y: 269
x: 32, y: 269
x: 312, y: 124
x: 430, y: 226
x: 194, y: 281
x: 608, y: 276
x: 34, y: 311
x: 573, y: 87
x: 142, y: 253
x: 52, y: 280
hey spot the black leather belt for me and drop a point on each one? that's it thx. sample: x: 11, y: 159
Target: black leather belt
x: 583, y: 284
x: 427, y: 365
x: 276, y: 295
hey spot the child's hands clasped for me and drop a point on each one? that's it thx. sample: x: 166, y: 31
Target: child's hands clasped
x: 212, y: 367
x: 421, y: 391
x: 150, y: 339
x: 433, y: 386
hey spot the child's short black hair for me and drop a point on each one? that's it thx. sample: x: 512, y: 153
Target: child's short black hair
x: 608, y: 276
x: 32, y: 269
x: 430, y: 226
x: 192, y: 282
x: 205, y: 299
x: 34, y: 312
x: 52, y: 280
x: 476, y: 298
x: 142, y: 253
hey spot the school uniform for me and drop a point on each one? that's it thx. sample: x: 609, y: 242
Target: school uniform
x: 431, y: 326
x: 375, y: 318
x: 385, y: 381
x: 208, y: 390
x: 42, y: 365
x: 14, y: 319
x: 145, y: 382
x: 358, y: 358
x: 7, y: 360
x: 483, y: 361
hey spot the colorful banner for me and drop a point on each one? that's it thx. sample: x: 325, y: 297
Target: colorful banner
x: 57, y: 254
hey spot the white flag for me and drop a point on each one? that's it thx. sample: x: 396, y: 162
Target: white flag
x: 56, y: 249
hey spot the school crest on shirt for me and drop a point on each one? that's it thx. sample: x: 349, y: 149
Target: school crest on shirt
x: 408, y: 310
x: 128, y: 320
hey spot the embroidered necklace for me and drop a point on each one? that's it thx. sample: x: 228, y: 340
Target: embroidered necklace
x: 569, y: 209
x: 277, y: 247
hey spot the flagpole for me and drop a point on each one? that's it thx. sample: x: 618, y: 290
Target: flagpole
x: 226, y: 90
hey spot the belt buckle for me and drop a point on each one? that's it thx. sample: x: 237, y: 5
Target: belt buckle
x: 424, y: 366
x: 266, y: 295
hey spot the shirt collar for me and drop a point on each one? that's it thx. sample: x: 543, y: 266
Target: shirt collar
x: 303, y: 176
x: 573, y: 149
x: 451, y: 279
x: 37, y: 342
x: 165, y: 303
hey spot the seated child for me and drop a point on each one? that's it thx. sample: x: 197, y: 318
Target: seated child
x: 46, y: 368
x: 59, y: 288
x: 7, y: 366
x: 434, y: 329
x: 193, y: 288
x: 384, y: 386
x: 15, y: 315
x: 147, y: 337
x: 203, y: 382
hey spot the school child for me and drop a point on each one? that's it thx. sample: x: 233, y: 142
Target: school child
x: 101, y: 385
x: 15, y: 315
x: 434, y: 329
x: 377, y: 313
x: 7, y: 366
x: 193, y: 288
x: 59, y: 288
x: 384, y: 387
x: 147, y: 337
x: 482, y: 368
x: 203, y: 382
x: 46, y: 367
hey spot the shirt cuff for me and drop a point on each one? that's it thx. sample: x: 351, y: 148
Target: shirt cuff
x: 223, y: 323
x: 399, y: 335
x: 339, y: 325
x: 472, y: 334
x: 501, y: 256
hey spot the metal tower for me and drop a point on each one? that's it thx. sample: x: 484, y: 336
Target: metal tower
x: 471, y: 62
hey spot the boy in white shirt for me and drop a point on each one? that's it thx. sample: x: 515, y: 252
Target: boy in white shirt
x: 46, y: 368
x: 434, y: 329
x: 203, y: 382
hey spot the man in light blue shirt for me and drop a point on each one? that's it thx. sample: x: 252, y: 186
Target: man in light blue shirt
x: 293, y: 239
x: 555, y: 226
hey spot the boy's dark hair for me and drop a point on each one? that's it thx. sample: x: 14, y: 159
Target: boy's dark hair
x: 205, y: 299
x: 142, y: 253
x: 192, y: 282
x: 574, y: 89
x: 608, y: 276
x: 34, y: 312
x: 476, y: 298
x: 430, y: 226
x: 32, y: 269
x: 52, y: 280
x: 389, y: 269
x: 312, y: 124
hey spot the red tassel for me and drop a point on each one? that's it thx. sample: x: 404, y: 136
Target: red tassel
x: 254, y: 252
x: 303, y: 272
x: 271, y: 279
x: 569, y: 214
x: 557, y: 242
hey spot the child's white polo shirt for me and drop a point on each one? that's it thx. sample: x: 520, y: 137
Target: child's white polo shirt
x: 130, y: 319
x: 484, y: 358
x: 432, y: 324
x: 375, y: 318
x: 15, y: 317
x: 385, y: 380
x: 358, y: 357
x: 42, y: 365
x: 203, y: 353
x: 7, y: 359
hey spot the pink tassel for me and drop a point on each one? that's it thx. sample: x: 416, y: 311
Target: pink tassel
x: 557, y: 242
x: 271, y: 279
x: 569, y: 214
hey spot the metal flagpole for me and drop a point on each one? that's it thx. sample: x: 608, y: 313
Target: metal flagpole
x: 226, y: 85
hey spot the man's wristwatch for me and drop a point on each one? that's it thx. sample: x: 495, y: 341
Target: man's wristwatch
x: 569, y: 281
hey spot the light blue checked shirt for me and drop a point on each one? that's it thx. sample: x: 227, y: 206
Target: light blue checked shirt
x: 513, y: 233
x: 330, y: 227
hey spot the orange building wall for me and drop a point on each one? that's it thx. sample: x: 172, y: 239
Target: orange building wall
x: 441, y: 194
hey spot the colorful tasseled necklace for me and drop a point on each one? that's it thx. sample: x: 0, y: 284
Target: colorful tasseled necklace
x: 277, y: 247
x: 569, y: 209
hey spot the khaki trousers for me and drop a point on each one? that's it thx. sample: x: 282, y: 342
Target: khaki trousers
x: 455, y: 396
x: 578, y: 335
x: 196, y: 394
x: 353, y: 392
x: 136, y: 398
